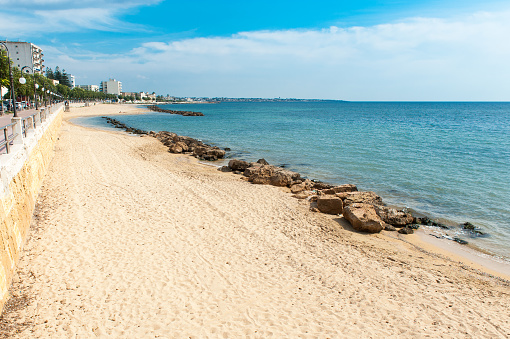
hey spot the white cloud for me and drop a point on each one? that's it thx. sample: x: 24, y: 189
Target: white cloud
x: 416, y: 59
x: 25, y: 18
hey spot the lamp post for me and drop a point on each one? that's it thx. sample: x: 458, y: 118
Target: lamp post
x: 22, y: 80
x: 13, y: 95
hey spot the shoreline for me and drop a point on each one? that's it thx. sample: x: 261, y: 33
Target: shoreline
x: 129, y: 240
x: 466, y: 254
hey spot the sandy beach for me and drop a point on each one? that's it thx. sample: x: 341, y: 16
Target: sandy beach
x: 130, y: 241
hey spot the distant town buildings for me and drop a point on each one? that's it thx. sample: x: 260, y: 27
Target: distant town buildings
x: 93, y: 88
x: 111, y: 86
x: 26, y: 54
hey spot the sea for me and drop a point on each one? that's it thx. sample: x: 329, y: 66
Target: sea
x: 449, y: 161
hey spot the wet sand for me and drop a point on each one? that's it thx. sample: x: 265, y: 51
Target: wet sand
x: 129, y: 240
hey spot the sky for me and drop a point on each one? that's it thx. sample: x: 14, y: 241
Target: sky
x: 367, y: 50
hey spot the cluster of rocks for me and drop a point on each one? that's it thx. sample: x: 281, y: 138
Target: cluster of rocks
x: 186, y: 145
x: 177, y: 143
x: 118, y: 124
x: 365, y: 211
x: 156, y: 108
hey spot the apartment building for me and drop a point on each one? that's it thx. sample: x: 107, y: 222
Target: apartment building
x: 94, y: 88
x: 26, y: 54
x: 111, y: 86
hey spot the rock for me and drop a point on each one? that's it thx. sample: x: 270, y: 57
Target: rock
x: 298, y: 187
x: 340, y: 189
x: 314, y: 209
x: 406, y: 230
x: 360, y: 197
x: 426, y: 221
x: 281, y: 178
x: 262, y: 162
x: 225, y: 169
x: 363, y: 217
x: 183, y: 146
x: 393, y: 216
x: 209, y: 157
x: 217, y: 152
x: 272, y: 175
x: 460, y: 241
x: 175, y: 149
x: 262, y: 175
x: 252, y: 169
x: 238, y: 165
x: 388, y: 227
x: 468, y: 226
x: 330, y: 204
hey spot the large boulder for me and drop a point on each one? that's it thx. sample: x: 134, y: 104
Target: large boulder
x: 360, y: 197
x: 238, y: 165
x: 182, y: 145
x: 363, y: 217
x: 175, y: 149
x: 295, y: 188
x: 330, y: 204
x: 393, y: 216
x: 217, y: 152
x: 341, y: 189
x: 272, y: 175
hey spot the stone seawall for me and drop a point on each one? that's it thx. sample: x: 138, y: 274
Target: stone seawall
x: 22, y: 172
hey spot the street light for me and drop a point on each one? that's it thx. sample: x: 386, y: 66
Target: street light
x: 22, y: 80
x: 13, y: 95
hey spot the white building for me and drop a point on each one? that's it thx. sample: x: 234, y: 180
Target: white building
x: 93, y: 88
x: 72, y: 80
x: 111, y: 86
x: 26, y: 54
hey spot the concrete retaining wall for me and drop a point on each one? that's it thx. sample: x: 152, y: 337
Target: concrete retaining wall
x: 21, y: 173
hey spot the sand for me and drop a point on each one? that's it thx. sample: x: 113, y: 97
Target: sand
x: 130, y: 241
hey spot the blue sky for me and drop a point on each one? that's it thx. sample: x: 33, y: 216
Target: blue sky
x: 445, y: 50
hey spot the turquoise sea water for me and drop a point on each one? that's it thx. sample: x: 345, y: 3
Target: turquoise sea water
x: 450, y: 161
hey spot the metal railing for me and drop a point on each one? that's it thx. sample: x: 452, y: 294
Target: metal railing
x: 27, y: 123
x: 5, y: 145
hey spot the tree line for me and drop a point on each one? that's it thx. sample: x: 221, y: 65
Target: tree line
x: 26, y: 91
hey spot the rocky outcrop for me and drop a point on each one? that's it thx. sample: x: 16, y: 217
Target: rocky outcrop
x: 182, y: 144
x: 176, y: 143
x: 260, y: 173
x: 330, y: 204
x: 184, y: 113
x: 238, y: 165
x: 393, y: 216
x: 118, y: 124
x: 363, y: 217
